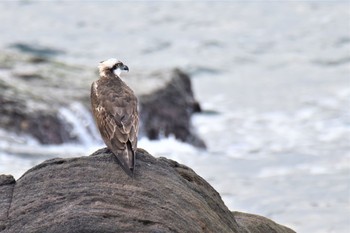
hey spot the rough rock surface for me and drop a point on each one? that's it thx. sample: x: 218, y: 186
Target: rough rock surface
x: 93, y: 194
x: 34, y: 89
x: 258, y: 224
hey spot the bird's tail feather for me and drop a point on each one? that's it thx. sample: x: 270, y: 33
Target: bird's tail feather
x: 127, y: 159
x: 131, y: 157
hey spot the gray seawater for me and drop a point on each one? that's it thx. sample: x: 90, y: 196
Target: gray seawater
x: 276, y: 73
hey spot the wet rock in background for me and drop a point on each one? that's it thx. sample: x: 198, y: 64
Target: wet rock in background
x: 33, y: 89
x: 44, y: 125
x: 167, y: 111
x: 37, y: 50
x: 164, y: 196
x: 32, y: 92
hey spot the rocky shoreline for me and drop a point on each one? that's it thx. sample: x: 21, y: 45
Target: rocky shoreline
x: 33, y: 88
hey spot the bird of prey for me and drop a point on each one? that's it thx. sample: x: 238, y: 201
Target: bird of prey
x: 114, y: 107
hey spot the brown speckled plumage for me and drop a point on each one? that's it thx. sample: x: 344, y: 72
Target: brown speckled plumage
x: 114, y: 107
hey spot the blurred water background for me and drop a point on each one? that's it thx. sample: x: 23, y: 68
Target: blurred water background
x: 277, y: 74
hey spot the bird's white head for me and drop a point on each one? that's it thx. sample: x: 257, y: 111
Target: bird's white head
x: 112, y: 65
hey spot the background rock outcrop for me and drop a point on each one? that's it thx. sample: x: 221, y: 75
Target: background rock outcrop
x: 168, y: 110
x: 93, y: 194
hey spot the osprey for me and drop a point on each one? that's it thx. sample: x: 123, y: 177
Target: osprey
x: 114, y: 107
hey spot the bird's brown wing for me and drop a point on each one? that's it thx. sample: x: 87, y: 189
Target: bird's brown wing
x: 117, y: 119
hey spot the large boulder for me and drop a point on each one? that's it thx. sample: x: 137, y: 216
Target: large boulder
x: 34, y: 90
x: 93, y: 194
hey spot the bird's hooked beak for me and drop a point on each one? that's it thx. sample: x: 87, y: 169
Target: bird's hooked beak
x: 120, y: 69
x: 125, y: 68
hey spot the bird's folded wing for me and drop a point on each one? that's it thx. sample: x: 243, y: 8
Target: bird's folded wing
x: 119, y: 121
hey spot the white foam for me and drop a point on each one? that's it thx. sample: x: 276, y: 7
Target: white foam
x: 274, y: 171
x: 83, y: 125
x: 168, y: 147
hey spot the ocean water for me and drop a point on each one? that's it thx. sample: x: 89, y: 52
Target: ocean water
x: 272, y: 77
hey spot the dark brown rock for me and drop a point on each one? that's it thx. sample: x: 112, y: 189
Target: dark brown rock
x: 93, y: 194
x: 168, y: 111
x: 259, y: 224
x: 7, y: 184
